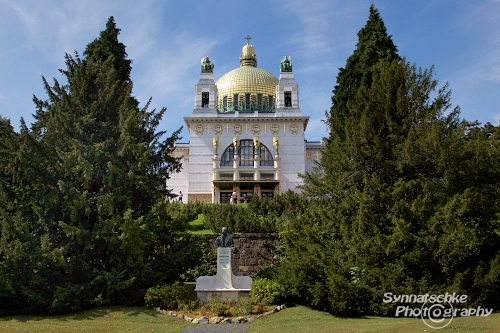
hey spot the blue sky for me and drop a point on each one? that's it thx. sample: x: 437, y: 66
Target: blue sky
x: 166, y: 40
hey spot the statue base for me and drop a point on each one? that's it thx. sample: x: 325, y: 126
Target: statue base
x: 222, y: 294
x: 225, y: 285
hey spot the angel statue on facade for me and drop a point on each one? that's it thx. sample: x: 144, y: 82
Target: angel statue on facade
x: 276, y: 143
x: 236, y: 144
x: 216, y: 144
x: 256, y: 145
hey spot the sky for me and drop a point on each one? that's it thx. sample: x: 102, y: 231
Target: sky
x: 166, y: 39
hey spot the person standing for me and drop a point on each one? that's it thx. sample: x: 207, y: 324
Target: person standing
x: 180, y: 196
x: 234, y: 197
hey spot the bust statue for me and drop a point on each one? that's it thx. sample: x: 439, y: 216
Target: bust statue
x: 223, y: 240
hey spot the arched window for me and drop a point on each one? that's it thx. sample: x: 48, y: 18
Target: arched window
x: 227, y: 157
x: 266, y: 159
x: 246, y: 155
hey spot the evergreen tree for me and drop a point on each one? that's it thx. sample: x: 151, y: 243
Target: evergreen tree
x: 373, y: 45
x: 90, y: 177
x: 412, y: 204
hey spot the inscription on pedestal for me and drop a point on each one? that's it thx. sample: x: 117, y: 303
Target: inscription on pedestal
x: 223, y: 279
x: 224, y: 257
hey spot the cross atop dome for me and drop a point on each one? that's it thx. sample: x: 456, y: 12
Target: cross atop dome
x: 248, y: 56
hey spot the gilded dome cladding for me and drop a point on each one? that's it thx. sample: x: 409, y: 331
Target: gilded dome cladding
x: 247, y: 79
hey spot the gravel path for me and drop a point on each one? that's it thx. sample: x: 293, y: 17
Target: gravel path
x: 219, y: 328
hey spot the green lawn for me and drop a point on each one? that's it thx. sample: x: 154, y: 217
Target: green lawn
x: 115, y: 319
x: 300, y: 319
x: 292, y: 320
x: 196, y: 226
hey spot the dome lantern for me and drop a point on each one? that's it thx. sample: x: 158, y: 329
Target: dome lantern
x: 248, y: 56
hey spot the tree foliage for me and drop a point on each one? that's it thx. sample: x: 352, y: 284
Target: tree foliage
x: 406, y: 198
x: 83, y: 192
x: 373, y: 45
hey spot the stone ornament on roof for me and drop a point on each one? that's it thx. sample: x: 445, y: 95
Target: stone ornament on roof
x: 286, y: 64
x: 206, y: 65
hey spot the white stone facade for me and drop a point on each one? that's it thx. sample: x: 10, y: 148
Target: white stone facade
x: 213, y: 168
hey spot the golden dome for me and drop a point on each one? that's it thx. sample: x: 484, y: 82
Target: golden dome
x: 248, y: 79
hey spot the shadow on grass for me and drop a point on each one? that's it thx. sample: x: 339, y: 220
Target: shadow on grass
x: 194, y: 227
x: 88, y: 314
x: 197, y: 226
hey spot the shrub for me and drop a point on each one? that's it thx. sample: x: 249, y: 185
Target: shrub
x: 206, y: 262
x: 347, y: 298
x: 267, y: 292
x: 261, y: 215
x: 193, y: 209
x: 183, y: 213
x: 218, y: 307
x: 167, y: 296
x: 243, y: 307
x: 235, y: 217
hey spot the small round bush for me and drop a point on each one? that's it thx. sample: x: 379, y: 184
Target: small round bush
x: 266, y: 291
x: 167, y: 296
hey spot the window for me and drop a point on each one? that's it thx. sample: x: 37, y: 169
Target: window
x: 225, y: 196
x: 267, y: 195
x: 246, y: 155
x: 247, y: 101
x: 227, y: 157
x: 266, y: 159
x: 235, y: 102
x: 288, y: 98
x: 204, y: 99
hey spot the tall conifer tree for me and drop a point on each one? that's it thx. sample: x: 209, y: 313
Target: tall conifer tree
x: 401, y: 183
x: 373, y: 45
x: 94, y: 193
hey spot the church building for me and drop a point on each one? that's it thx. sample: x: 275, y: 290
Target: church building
x: 246, y: 134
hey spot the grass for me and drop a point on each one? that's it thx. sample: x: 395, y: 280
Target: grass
x: 291, y: 320
x: 197, y: 227
x: 300, y: 319
x: 114, y: 319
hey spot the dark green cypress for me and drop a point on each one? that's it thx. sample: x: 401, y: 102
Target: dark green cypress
x: 91, y: 179
x: 373, y: 45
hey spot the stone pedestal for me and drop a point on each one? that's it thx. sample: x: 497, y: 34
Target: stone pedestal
x: 277, y: 161
x: 216, y: 162
x: 225, y: 285
x: 256, y: 161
